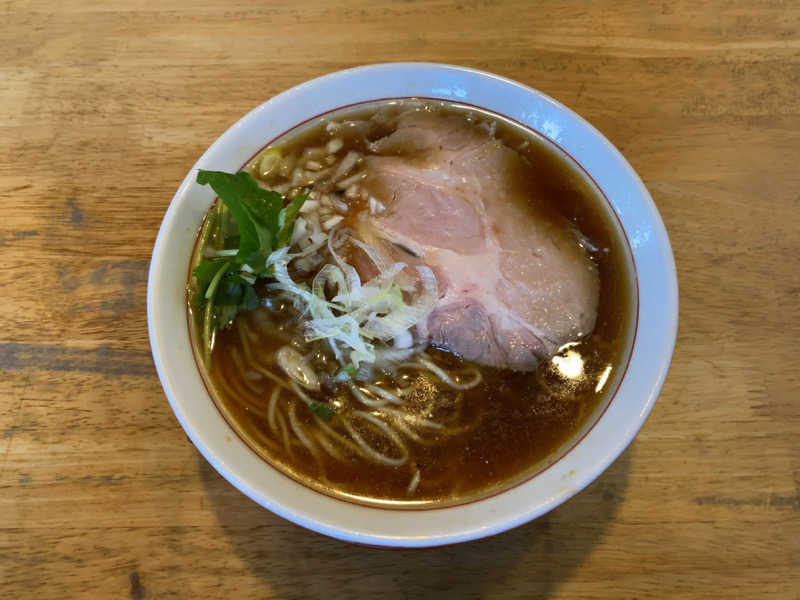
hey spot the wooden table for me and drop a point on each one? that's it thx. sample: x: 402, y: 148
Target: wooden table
x: 104, y: 106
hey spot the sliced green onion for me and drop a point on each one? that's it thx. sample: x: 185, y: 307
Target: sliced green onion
x: 359, y: 313
x: 212, y: 253
x: 212, y: 287
x: 270, y: 160
x: 209, y: 229
x: 208, y: 330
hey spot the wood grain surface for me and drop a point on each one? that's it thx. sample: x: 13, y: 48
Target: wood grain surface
x: 104, y: 106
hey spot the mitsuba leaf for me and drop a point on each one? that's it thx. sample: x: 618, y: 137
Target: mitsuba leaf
x: 213, y: 286
x: 256, y: 212
x: 230, y: 292
x: 286, y: 219
x: 250, y: 299
x: 257, y: 259
x: 266, y: 206
x: 225, y: 313
x: 233, y: 299
x: 205, y: 271
x: 257, y: 224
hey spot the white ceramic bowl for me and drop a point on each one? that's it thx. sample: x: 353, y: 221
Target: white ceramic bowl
x: 577, y: 467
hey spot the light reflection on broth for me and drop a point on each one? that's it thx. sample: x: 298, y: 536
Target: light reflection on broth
x: 423, y: 433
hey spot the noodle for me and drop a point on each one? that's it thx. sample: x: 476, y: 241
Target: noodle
x: 298, y: 430
x: 447, y: 379
x: 273, y: 401
x: 385, y: 394
x: 264, y: 439
x: 412, y: 487
x: 403, y: 422
x: 285, y: 434
x: 364, y: 399
x: 416, y: 420
x: 250, y: 385
x: 327, y: 445
x: 282, y: 420
x: 405, y: 429
x: 349, y: 444
x: 371, y: 452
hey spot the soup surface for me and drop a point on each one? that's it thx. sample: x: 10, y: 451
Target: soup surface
x: 427, y: 426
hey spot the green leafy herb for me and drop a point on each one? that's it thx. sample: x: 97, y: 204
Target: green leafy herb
x: 234, y: 295
x: 324, y: 411
x: 286, y: 219
x: 205, y: 271
x: 214, y: 283
x: 256, y: 212
x: 224, y: 314
x: 250, y: 299
x: 255, y: 224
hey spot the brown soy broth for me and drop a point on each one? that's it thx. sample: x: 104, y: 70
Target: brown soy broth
x: 515, y: 422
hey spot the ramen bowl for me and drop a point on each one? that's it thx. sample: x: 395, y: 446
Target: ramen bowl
x: 587, y: 454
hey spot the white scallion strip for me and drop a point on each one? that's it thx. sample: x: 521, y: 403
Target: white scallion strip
x: 348, y: 162
x: 351, y: 181
x: 314, y: 152
x: 351, y: 275
x: 373, y: 255
x: 394, y: 356
x: 328, y: 275
x: 404, y: 339
x: 334, y: 145
x: 299, y: 230
x: 332, y: 222
x: 309, y: 206
x: 390, y: 325
x: 375, y: 206
x: 357, y: 313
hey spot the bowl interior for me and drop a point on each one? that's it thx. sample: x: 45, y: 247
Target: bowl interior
x: 595, y: 447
